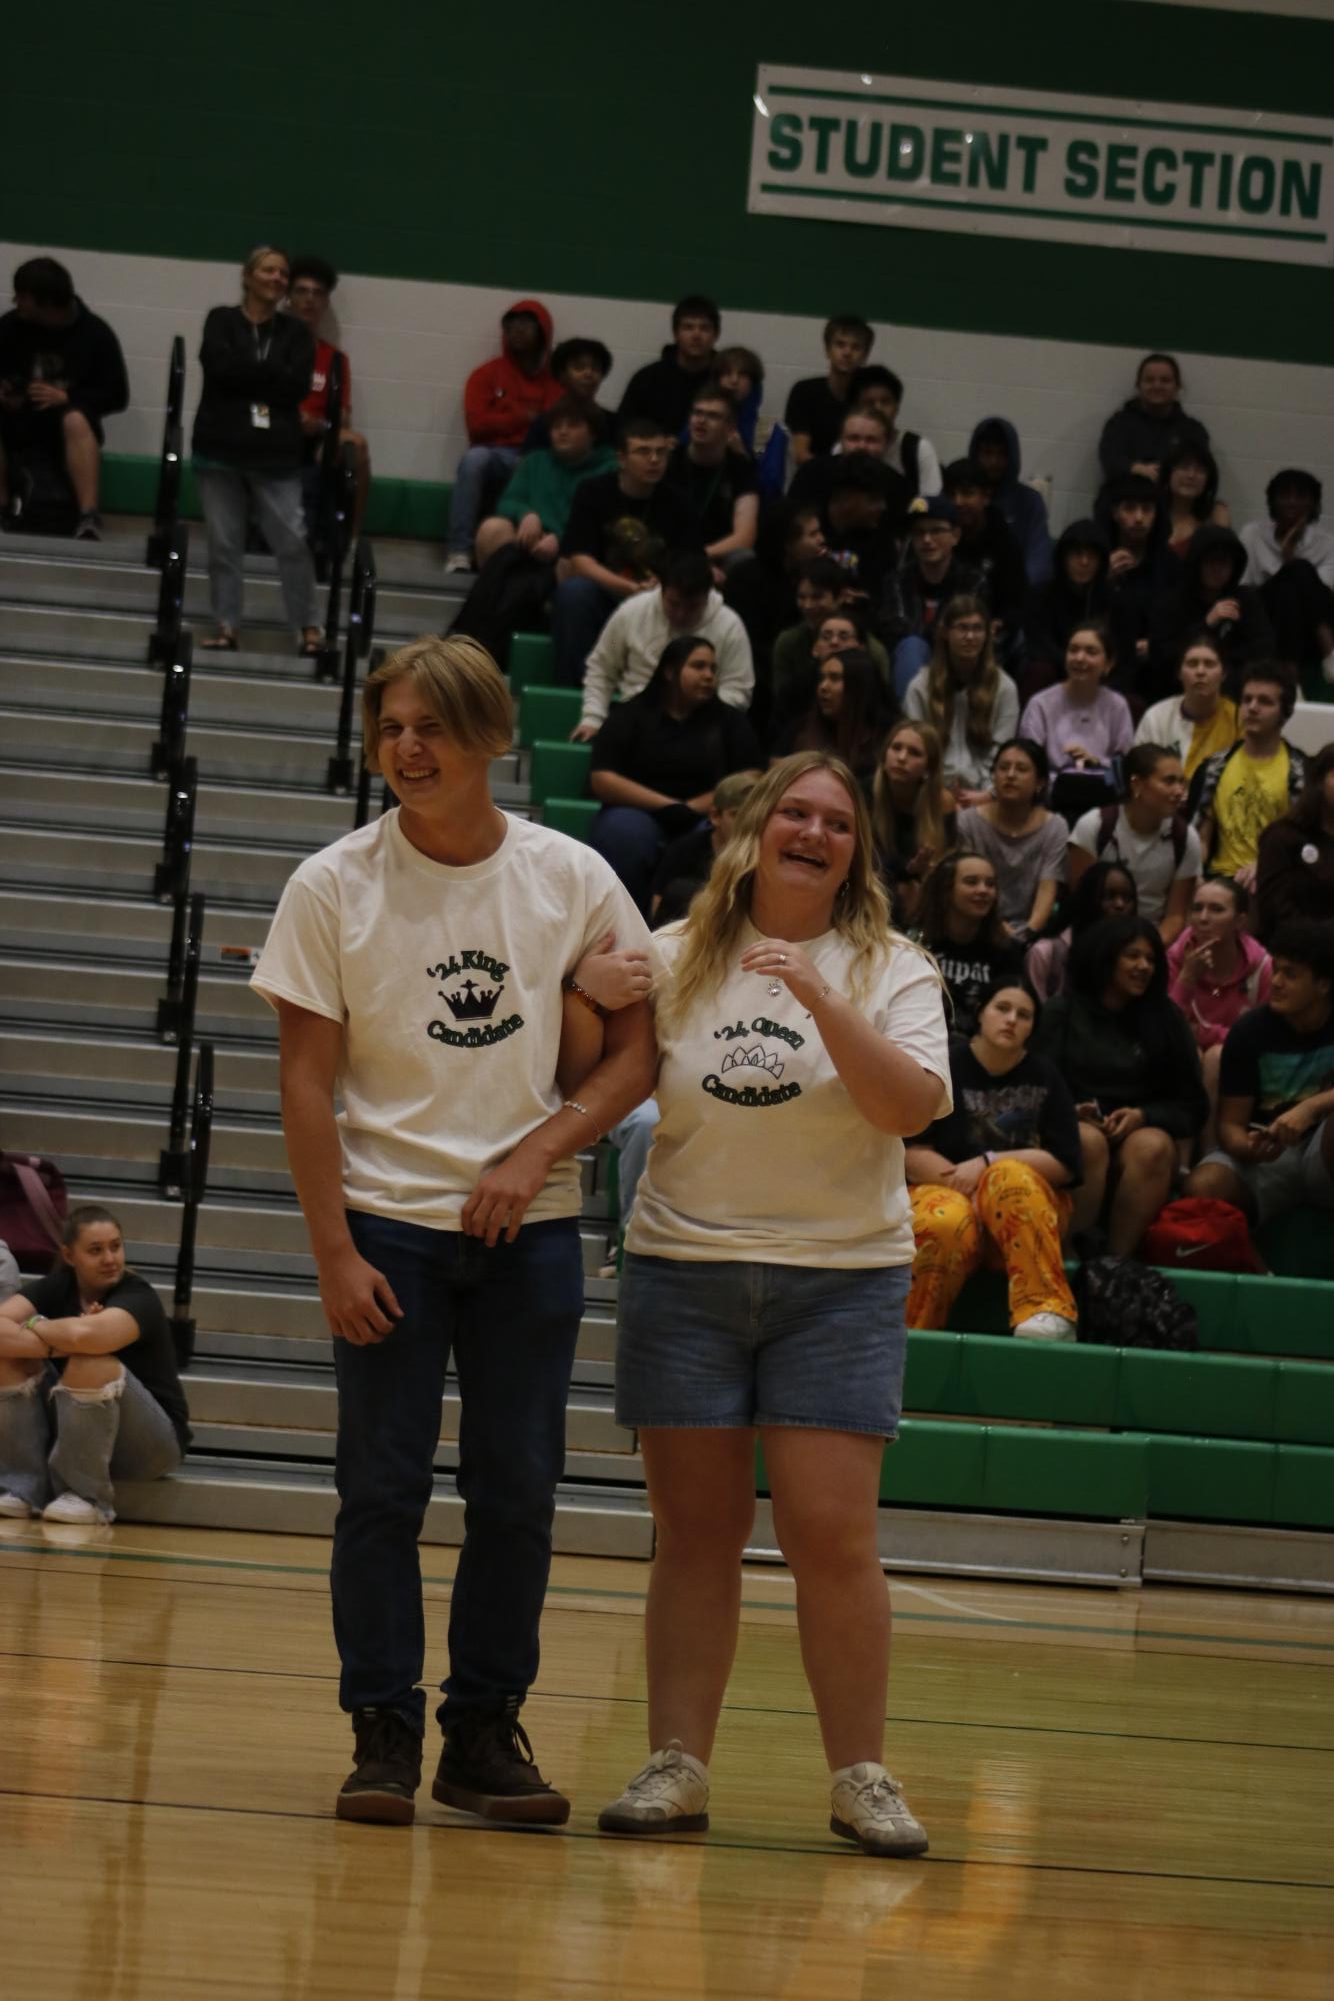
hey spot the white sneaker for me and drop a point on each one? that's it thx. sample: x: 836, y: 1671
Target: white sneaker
x: 456, y: 562
x: 1046, y: 1327
x: 10, y: 1504
x: 869, y: 1808
x: 669, y: 1796
x: 71, y: 1507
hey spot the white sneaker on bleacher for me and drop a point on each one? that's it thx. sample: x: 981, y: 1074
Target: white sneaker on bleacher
x: 670, y: 1795
x: 868, y: 1807
x: 1046, y: 1327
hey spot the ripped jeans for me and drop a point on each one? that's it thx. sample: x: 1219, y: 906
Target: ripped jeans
x: 54, y: 1440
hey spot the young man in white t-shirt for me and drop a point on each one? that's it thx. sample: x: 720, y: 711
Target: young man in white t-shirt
x: 417, y: 967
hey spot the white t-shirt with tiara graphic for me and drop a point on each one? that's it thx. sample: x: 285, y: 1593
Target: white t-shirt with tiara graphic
x: 448, y: 983
x: 760, y: 1154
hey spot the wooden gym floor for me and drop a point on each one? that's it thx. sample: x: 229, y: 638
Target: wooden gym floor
x: 1128, y: 1795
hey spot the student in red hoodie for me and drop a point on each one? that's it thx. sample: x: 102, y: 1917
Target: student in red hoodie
x: 500, y: 401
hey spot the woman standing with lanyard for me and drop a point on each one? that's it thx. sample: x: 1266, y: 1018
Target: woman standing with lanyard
x: 765, y: 1278
x: 248, y: 446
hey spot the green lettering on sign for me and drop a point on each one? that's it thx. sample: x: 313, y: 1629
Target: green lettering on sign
x: 785, y: 142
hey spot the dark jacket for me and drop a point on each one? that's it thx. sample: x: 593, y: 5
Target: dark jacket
x: 907, y: 597
x: 994, y: 554
x: 1023, y: 506
x: 662, y: 389
x: 1054, y: 609
x: 1127, y: 1057
x: 1204, y: 785
x: 1294, y: 876
x: 1133, y: 437
x: 1177, y: 611
x: 246, y: 365
x: 84, y: 358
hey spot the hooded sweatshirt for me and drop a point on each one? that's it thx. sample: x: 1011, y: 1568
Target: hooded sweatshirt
x: 1135, y: 436
x: 84, y: 358
x: 1052, y: 611
x: 1023, y: 506
x: 1178, y: 612
x: 1212, y: 1005
x: 663, y: 389
x: 499, y: 399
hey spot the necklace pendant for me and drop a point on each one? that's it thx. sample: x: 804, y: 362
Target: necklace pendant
x: 775, y: 989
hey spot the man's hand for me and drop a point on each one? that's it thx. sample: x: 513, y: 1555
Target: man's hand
x: 1119, y: 562
x: 1289, y: 539
x: 358, y: 1300
x: 614, y: 979
x: 47, y: 395
x: 1225, y: 608
x: 1148, y: 468
x: 501, y: 1198
x: 1262, y: 1146
x: 1245, y: 876
x: 584, y: 732
x: 1290, y: 1128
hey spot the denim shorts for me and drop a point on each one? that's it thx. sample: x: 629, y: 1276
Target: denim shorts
x: 702, y: 1343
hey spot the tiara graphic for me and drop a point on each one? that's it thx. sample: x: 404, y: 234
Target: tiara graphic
x: 753, y: 1058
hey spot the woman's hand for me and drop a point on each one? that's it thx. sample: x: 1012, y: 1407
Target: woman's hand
x: 1119, y: 1125
x: 972, y: 795
x: 968, y: 1173
x: 1089, y: 1113
x: 614, y: 979
x: 1196, y: 964
x: 778, y: 960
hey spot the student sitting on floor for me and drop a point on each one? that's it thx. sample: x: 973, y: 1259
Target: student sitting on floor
x: 89, y: 1391
x: 989, y: 1180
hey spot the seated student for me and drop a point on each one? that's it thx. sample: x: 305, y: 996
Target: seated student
x: 845, y: 717
x: 959, y: 922
x: 620, y: 523
x: 1145, y: 432
x: 964, y: 695
x: 1023, y: 841
x: 817, y: 405
x: 994, y: 450
x: 929, y: 573
x: 1105, y: 890
x: 311, y: 285
x: 1216, y: 971
x: 1290, y: 560
x: 877, y: 388
x: 864, y: 432
x: 913, y: 817
x: 987, y: 544
x: 764, y: 593
x: 687, y: 862
x: 662, y: 389
x: 719, y: 485
x: 658, y: 757
x: 1079, y: 589
x: 61, y: 374
x: 89, y: 1392
x: 796, y: 666
x: 1132, y: 1066
x: 1241, y: 791
x: 1135, y: 571
x: 1201, y: 720
x: 1188, y: 489
x: 579, y: 367
x: 1149, y: 834
x: 534, y: 506
x: 1209, y: 592
x: 860, y: 522
x: 740, y: 373
x: 1276, y: 1089
x: 500, y: 400
x: 630, y: 646
x: 990, y: 1179
x: 1294, y: 873
x: 819, y: 592
x: 1081, y: 724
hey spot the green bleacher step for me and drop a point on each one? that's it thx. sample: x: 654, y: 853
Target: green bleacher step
x: 549, y: 713
x: 557, y: 771
x: 574, y: 817
x: 532, y: 662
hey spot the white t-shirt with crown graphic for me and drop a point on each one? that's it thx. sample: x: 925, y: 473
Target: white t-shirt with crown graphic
x: 448, y: 983
x: 760, y: 1154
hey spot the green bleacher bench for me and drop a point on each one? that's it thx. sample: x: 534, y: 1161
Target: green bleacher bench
x: 574, y: 817
x: 532, y: 662
x: 414, y: 509
x: 1270, y: 1315
x: 548, y: 712
x: 557, y: 770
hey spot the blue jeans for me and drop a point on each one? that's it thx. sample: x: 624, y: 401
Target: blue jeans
x: 910, y: 656
x: 56, y: 1440
x: 633, y: 1138
x: 478, y: 463
x: 511, y: 1316
x: 579, y: 611
x: 224, y: 493
x: 633, y: 842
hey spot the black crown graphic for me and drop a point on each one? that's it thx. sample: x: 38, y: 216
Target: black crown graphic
x: 753, y: 1058
x: 473, y: 1003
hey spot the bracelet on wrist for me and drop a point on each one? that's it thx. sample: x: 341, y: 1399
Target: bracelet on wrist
x: 573, y: 1105
x: 581, y: 994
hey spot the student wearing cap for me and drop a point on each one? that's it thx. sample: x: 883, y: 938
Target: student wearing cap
x: 928, y: 576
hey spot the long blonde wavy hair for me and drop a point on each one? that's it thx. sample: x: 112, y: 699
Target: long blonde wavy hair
x: 720, y: 911
x: 928, y: 809
x: 981, y: 690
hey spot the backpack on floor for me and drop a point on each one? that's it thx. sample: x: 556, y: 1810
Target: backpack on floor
x: 33, y: 1207
x: 1125, y: 1304
x: 1198, y: 1233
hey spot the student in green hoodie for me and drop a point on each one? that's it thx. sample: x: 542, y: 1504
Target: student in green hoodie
x: 535, y: 504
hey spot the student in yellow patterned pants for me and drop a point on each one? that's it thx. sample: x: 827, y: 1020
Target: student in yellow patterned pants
x: 990, y: 1180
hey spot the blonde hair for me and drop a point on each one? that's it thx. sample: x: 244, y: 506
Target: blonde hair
x: 720, y: 911
x: 733, y: 790
x: 259, y: 253
x: 928, y: 810
x: 982, y: 690
x: 458, y: 682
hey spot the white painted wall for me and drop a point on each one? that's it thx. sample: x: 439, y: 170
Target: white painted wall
x: 412, y: 345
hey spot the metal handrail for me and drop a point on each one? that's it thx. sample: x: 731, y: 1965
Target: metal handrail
x: 195, y: 1182
x: 166, y: 634
x: 336, y: 511
x: 360, y: 635
x: 166, y: 512
x: 169, y: 748
x: 171, y: 877
x: 172, y: 1161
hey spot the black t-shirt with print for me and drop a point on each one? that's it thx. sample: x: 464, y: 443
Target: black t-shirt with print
x: 968, y: 970
x: 599, y: 504
x: 152, y: 1358
x: 1266, y: 1059
x: 813, y: 409
x: 711, y: 492
x: 1030, y: 1106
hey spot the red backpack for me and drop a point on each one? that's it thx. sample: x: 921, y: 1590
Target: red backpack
x: 1198, y: 1233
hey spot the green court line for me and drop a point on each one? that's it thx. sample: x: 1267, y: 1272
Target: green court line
x: 1042, y: 214
x: 994, y: 1625
x: 1048, y: 115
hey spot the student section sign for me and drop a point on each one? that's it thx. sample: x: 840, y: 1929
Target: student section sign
x: 997, y: 162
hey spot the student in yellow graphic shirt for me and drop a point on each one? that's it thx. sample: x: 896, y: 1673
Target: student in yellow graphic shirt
x: 1244, y: 790
x: 1201, y: 721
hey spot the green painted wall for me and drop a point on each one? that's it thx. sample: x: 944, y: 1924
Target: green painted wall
x: 551, y: 147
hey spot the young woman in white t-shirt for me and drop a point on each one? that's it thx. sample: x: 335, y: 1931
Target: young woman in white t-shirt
x: 765, y: 1277
x: 1146, y: 837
